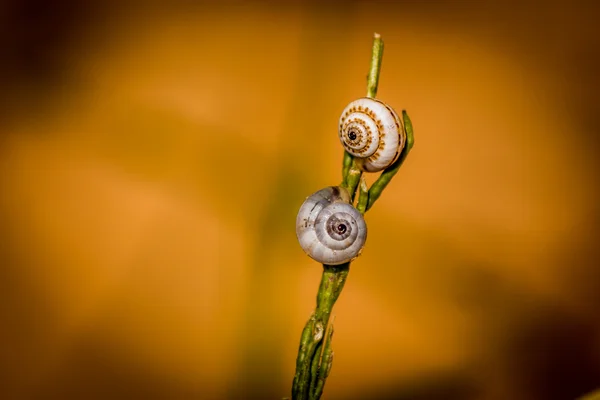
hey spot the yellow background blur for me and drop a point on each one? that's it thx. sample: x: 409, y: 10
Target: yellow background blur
x: 153, y: 159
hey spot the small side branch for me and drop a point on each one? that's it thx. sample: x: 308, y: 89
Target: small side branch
x: 386, y: 176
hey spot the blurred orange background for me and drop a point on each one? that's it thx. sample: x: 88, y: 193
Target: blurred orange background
x: 153, y: 159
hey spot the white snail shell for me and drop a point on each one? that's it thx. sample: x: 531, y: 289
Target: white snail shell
x: 372, y: 132
x: 330, y: 230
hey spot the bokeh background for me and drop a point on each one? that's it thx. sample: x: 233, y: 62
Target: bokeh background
x: 154, y: 155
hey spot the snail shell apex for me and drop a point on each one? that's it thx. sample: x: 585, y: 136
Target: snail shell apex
x: 329, y: 229
x: 372, y: 132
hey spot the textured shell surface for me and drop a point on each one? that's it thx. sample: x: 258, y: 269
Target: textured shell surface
x: 329, y: 229
x: 371, y: 130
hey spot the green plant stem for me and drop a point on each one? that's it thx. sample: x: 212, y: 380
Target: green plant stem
x: 387, y: 175
x: 332, y: 283
x: 351, y: 168
x: 363, y: 196
x: 325, y: 367
x: 374, y: 71
x: 315, y: 353
x: 346, y: 164
x: 353, y: 179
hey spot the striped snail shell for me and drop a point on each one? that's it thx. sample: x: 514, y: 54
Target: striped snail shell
x: 330, y: 230
x: 372, y: 132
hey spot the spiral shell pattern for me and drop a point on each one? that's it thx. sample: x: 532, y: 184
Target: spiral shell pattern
x: 329, y: 229
x: 371, y: 131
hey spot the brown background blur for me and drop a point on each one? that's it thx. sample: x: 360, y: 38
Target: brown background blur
x: 153, y: 159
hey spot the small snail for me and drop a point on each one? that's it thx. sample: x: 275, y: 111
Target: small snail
x: 371, y: 131
x: 330, y: 230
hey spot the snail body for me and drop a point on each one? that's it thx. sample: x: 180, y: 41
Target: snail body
x: 329, y: 229
x: 372, y: 132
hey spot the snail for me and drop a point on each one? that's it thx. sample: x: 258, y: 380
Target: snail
x: 330, y: 230
x: 372, y: 132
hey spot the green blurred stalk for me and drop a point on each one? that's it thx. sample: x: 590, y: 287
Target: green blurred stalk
x: 386, y: 176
